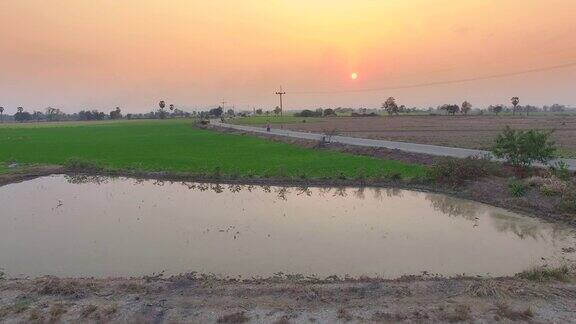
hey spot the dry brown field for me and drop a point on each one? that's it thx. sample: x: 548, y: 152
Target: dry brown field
x: 477, y: 132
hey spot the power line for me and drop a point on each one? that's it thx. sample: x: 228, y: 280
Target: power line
x: 281, y: 93
x: 430, y: 84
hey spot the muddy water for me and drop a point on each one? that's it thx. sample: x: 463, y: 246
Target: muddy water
x: 103, y: 227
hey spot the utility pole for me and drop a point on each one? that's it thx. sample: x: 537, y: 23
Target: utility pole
x: 223, y: 103
x: 281, y: 93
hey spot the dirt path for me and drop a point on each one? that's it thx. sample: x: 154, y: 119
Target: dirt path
x: 366, y: 142
x: 192, y: 300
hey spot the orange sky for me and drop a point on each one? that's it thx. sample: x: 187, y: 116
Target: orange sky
x: 77, y: 54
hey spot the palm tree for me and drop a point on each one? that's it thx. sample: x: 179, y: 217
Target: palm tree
x: 161, y: 113
x: 515, y: 101
x: 20, y: 109
x: 171, y: 107
x: 1, y: 114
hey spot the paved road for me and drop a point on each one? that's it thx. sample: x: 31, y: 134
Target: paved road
x: 406, y: 147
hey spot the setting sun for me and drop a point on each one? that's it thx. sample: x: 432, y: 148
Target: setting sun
x: 354, y: 76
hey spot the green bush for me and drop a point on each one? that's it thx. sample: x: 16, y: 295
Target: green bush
x: 523, y: 148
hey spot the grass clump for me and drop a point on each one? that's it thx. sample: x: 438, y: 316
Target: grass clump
x: 548, y: 186
x: 517, y: 188
x: 561, y: 171
x: 238, y: 317
x: 504, y: 310
x: 79, y: 164
x: 543, y: 274
x: 461, y: 313
x: 568, y: 202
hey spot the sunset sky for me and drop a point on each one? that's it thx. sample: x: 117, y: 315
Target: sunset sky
x: 82, y: 54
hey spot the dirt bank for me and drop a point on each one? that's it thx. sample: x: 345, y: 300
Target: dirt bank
x: 20, y: 174
x: 189, y: 299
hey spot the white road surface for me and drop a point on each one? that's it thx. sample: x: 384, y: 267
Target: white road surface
x: 402, y: 146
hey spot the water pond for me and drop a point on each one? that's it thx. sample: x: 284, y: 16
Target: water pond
x: 101, y: 227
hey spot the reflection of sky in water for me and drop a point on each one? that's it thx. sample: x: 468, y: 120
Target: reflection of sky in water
x: 96, y: 226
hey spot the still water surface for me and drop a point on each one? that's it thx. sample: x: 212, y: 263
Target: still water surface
x: 87, y: 226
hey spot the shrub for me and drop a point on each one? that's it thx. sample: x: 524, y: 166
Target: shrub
x: 457, y: 171
x: 522, y: 148
x: 309, y: 113
x: 517, y: 188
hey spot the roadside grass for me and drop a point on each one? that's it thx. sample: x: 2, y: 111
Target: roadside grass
x: 262, y: 120
x: 3, y: 168
x: 542, y: 274
x: 176, y: 146
x: 566, y: 153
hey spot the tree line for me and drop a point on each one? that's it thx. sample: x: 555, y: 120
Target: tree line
x: 392, y: 108
x: 55, y: 114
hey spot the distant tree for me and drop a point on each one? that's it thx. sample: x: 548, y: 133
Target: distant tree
x: 259, y: 111
x: 309, y: 113
x: 1, y: 114
x: 496, y: 109
x: 466, y: 107
x: 55, y: 113
x: 21, y: 115
x: 515, y: 101
x: 91, y: 115
x: 216, y: 112
x: 557, y: 108
x: 230, y: 112
x: 522, y: 148
x: 277, y: 111
x: 50, y: 113
x: 529, y: 108
x: 37, y: 115
x: 390, y: 106
x: 171, y: 107
x: 450, y: 109
x: 116, y: 113
x: 329, y: 112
